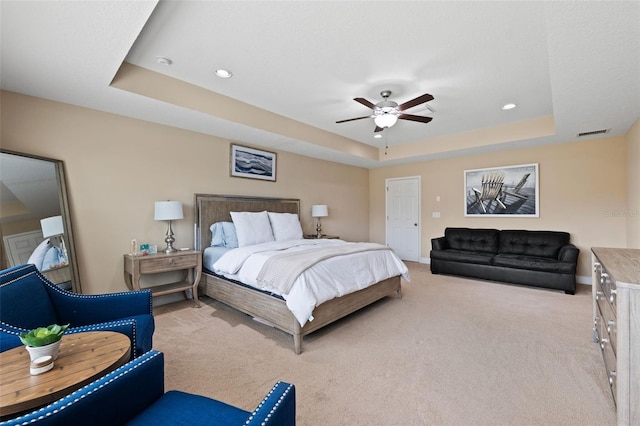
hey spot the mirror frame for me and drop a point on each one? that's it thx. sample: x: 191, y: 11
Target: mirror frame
x: 63, y: 199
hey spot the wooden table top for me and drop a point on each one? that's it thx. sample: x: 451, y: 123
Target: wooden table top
x: 83, y: 358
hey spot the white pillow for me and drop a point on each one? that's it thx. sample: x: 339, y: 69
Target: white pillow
x: 252, y: 228
x: 286, y: 226
x: 37, y: 257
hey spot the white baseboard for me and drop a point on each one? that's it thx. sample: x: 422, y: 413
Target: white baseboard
x: 580, y: 279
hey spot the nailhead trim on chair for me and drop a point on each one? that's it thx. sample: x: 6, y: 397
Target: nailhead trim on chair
x: 275, y: 406
x: 84, y: 391
x: 101, y: 326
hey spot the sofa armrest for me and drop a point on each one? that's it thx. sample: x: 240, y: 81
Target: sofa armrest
x: 278, y: 408
x: 439, y: 243
x: 114, y: 399
x: 10, y: 336
x: 83, y: 309
x: 569, y: 253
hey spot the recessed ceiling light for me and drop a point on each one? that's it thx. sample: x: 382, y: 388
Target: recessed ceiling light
x: 223, y: 73
x: 508, y: 106
x: 163, y: 60
x: 377, y: 136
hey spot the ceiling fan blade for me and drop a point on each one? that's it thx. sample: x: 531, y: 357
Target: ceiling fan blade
x: 417, y: 101
x: 412, y: 117
x: 378, y: 129
x: 352, y: 119
x: 364, y: 102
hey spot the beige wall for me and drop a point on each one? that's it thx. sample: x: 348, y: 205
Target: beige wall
x: 117, y: 167
x: 633, y: 186
x: 582, y: 186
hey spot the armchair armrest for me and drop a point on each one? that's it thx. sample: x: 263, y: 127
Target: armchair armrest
x: 9, y: 336
x: 114, y: 399
x: 81, y: 309
x: 569, y: 253
x: 278, y: 408
x: 439, y: 243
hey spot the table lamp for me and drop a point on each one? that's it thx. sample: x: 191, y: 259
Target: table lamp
x: 168, y: 210
x: 318, y: 211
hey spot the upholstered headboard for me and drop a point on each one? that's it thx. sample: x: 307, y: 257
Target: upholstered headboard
x: 216, y: 208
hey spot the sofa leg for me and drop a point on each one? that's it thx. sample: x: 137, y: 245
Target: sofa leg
x: 569, y: 292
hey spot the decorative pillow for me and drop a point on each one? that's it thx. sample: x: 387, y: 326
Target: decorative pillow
x: 37, y: 256
x: 252, y: 228
x: 230, y: 235
x: 51, y: 258
x: 285, y: 226
x: 223, y: 234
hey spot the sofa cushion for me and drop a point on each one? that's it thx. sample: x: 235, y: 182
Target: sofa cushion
x: 532, y: 243
x: 462, y: 256
x: 542, y: 264
x: 478, y: 240
x: 24, y: 301
x: 179, y: 408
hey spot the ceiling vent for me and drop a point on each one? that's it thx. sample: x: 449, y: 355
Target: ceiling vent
x: 594, y: 132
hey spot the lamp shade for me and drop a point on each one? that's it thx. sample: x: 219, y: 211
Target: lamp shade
x: 168, y: 210
x: 385, y: 120
x: 52, y: 226
x: 319, y: 210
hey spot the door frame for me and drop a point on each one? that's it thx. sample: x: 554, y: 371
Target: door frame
x: 386, y: 210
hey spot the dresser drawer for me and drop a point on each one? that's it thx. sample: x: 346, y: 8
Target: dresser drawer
x: 610, y: 363
x: 150, y: 265
x: 608, y: 287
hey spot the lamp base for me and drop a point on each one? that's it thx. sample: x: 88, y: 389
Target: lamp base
x: 169, y: 240
x: 318, y: 229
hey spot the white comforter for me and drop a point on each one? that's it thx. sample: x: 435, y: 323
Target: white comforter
x: 325, y: 280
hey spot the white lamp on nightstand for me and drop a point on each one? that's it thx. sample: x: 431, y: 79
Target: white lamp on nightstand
x: 168, y: 210
x: 318, y: 211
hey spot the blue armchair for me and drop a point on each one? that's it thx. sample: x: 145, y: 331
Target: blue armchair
x: 29, y: 300
x: 134, y: 395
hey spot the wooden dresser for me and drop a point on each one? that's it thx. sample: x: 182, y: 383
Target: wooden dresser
x: 616, y: 313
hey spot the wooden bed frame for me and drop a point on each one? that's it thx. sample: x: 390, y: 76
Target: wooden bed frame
x: 215, y: 208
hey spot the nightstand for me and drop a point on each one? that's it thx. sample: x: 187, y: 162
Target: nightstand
x: 323, y: 236
x: 190, y: 260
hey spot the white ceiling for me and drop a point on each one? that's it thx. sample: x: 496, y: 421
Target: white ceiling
x: 578, y: 62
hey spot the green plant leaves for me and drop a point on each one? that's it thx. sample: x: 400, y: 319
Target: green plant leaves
x: 43, y: 336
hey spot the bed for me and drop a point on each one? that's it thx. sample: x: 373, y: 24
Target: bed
x: 262, y: 305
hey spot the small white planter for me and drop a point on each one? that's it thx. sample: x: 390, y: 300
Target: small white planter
x: 51, y: 349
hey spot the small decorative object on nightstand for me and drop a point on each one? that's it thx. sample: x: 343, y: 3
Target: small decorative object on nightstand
x: 190, y: 260
x: 318, y: 211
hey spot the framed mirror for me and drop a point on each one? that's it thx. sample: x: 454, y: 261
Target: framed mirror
x: 35, y: 224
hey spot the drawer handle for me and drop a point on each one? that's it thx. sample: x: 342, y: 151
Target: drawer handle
x: 603, y: 343
x: 612, y: 298
x: 612, y: 377
x: 599, y: 294
x: 603, y: 277
x: 610, y: 325
x: 171, y: 262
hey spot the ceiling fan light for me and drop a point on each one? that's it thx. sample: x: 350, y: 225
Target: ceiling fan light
x: 385, y: 120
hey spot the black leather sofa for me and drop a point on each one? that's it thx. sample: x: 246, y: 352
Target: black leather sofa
x: 535, y: 258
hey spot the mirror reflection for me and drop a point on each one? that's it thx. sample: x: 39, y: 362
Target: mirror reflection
x: 34, y: 217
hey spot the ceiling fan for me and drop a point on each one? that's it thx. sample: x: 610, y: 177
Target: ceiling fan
x: 386, y: 113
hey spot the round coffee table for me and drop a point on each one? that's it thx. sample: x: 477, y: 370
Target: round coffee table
x: 83, y: 358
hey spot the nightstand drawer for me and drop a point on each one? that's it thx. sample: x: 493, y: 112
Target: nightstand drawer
x: 170, y: 263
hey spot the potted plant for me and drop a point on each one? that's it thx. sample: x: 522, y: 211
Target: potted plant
x: 43, y: 341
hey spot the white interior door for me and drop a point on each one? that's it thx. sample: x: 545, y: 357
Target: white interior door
x: 403, y: 217
x: 20, y: 246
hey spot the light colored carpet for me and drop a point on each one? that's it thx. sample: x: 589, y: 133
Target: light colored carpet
x: 452, y: 351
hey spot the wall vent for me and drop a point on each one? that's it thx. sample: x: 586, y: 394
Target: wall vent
x: 593, y: 132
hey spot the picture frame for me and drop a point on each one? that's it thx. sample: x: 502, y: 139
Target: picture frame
x: 253, y: 163
x: 502, y: 191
